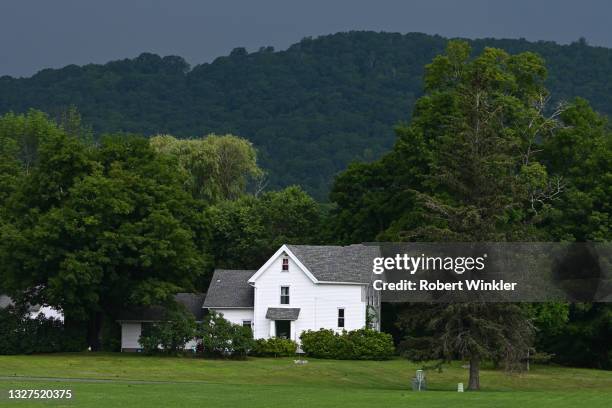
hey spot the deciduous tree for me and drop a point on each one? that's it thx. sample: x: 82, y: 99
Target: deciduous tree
x: 91, y: 229
x: 217, y: 167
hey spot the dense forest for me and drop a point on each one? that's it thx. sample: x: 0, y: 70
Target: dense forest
x: 309, y: 110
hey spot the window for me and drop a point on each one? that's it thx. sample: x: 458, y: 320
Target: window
x: 247, y: 323
x: 284, y: 298
x: 341, y: 317
x: 285, y: 267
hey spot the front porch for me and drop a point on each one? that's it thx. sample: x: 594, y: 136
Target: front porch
x: 282, y: 322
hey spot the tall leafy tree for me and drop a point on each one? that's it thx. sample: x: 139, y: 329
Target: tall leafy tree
x: 245, y: 232
x: 585, y: 340
x: 580, y: 153
x: 92, y: 229
x: 216, y: 167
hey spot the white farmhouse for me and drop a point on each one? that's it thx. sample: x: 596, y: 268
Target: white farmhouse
x: 301, y: 287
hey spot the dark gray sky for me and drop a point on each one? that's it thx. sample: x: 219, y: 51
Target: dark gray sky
x: 36, y: 34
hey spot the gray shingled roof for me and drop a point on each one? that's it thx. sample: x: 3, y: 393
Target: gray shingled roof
x: 191, y: 301
x: 6, y: 301
x: 230, y: 288
x: 351, y: 263
x: 282, y: 313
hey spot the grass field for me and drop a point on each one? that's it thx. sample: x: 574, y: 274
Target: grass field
x: 128, y: 380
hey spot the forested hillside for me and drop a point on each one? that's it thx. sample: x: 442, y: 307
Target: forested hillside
x: 310, y: 110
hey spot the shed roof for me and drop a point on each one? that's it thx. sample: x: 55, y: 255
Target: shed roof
x: 191, y: 301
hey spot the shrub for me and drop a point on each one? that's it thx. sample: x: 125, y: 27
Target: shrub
x: 325, y: 343
x: 216, y: 334
x: 19, y: 334
x: 242, y: 340
x: 274, y: 347
x: 362, y: 344
x: 223, y: 338
x: 370, y: 344
x: 169, y: 336
x: 11, y: 332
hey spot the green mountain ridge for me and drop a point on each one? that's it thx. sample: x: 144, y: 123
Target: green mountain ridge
x: 310, y: 109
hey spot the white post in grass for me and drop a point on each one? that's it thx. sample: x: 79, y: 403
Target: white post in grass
x: 420, y: 376
x: 528, y: 356
x: 460, y: 387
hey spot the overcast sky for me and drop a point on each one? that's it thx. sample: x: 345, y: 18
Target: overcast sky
x: 36, y: 34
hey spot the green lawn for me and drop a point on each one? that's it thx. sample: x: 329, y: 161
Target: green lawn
x: 129, y: 380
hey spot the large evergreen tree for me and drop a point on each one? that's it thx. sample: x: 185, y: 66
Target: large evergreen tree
x: 469, y: 167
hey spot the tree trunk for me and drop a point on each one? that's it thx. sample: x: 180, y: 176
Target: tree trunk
x: 94, y: 331
x: 474, y: 382
x: 77, y: 329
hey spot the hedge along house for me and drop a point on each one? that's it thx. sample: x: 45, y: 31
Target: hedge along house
x: 301, y: 287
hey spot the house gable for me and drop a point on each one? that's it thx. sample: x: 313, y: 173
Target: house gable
x: 278, y: 254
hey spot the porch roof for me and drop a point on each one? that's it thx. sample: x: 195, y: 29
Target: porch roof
x: 282, y: 313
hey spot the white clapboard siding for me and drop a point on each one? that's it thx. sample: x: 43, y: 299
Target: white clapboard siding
x: 130, y: 333
x: 130, y: 336
x: 237, y: 315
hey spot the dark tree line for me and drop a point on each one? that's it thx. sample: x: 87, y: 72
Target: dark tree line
x: 309, y: 110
